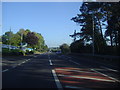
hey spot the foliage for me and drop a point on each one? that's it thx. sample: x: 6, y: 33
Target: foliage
x: 6, y: 51
x: 65, y: 48
x: 94, y: 17
x: 6, y: 38
x: 32, y: 39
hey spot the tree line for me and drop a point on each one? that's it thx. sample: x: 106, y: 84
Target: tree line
x: 100, y: 22
x: 31, y: 39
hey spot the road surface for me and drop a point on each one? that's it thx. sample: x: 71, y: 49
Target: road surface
x: 50, y: 70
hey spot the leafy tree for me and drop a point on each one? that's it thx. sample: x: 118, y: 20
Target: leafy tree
x: 31, y: 39
x: 111, y: 11
x: 23, y: 33
x: 90, y: 19
x: 41, y: 42
x: 15, y: 40
x: 96, y: 16
x: 6, y: 38
x: 65, y: 48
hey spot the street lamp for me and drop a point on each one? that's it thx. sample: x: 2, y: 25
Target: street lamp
x: 10, y: 39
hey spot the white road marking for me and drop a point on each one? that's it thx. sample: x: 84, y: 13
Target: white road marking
x: 5, y: 70
x: 59, y: 86
x: 81, y: 77
x: 99, y: 69
x: 19, y: 63
x: 16, y: 66
x: 50, y: 62
x: 74, y: 87
x: 109, y: 69
x: 74, y: 62
x: 75, y: 70
x: 106, y: 75
x: 23, y: 62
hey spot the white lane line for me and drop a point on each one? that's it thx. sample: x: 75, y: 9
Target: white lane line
x: 23, y: 62
x: 75, y: 70
x: 82, y: 77
x: 5, y: 70
x: 50, y: 62
x: 59, y: 86
x: 74, y: 87
x: 16, y: 66
x: 74, y: 62
x: 106, y: 75
x: 109, y: 69
x: 19, y: 64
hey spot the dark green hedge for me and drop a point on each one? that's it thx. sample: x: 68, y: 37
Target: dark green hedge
x: 6, y: 51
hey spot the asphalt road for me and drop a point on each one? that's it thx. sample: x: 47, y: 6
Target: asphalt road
x: 50, y: 70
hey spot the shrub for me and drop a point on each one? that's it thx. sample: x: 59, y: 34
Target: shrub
x: 6, y: 51
x: 65, y: 48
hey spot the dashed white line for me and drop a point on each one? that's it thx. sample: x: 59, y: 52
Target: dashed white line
x: 74, y: 62
x: 50, y: 62
x: 16, y: 66
x: 19, y: 64
x: 59, y: 86
x: 74, y: 87
x: 106, y: 75
x: 109, y: 69
x: 5, y: 70
x: 23, y: 62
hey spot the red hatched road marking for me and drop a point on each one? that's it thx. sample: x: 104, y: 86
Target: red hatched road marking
x: 78, y: 77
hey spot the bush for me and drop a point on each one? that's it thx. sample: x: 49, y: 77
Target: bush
x: 6, y: 51
x: 65, y: 49
x: 31, y: 52
x: 79, y: 47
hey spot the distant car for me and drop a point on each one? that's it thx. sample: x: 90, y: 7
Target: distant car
x: 9, y: 46
x: 29, y: 49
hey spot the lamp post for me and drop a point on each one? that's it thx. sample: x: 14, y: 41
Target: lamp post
x: 10, y: 40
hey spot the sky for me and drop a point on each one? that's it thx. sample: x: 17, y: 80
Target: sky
x: 51, y: 19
